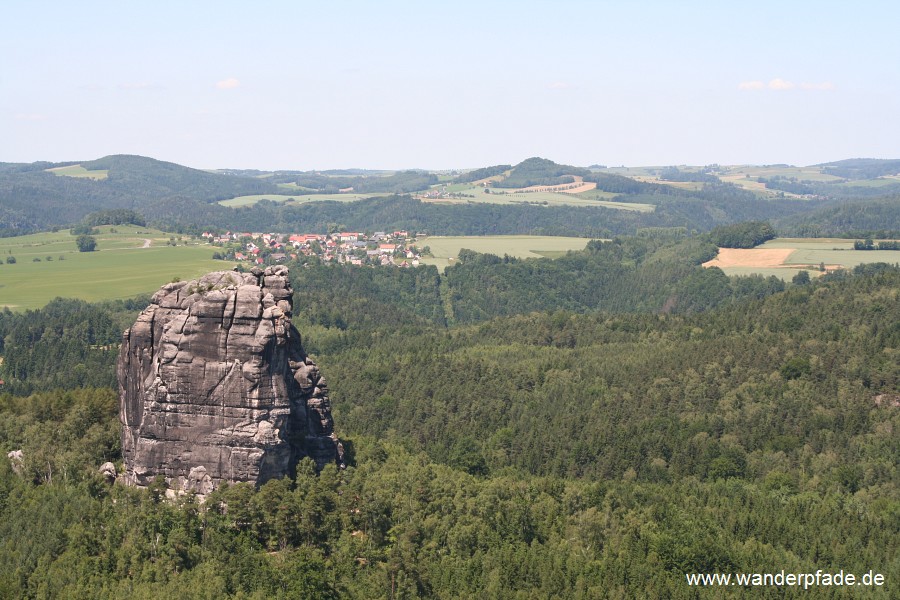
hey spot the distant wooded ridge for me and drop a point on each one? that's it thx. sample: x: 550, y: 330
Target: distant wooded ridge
x: 837, y: 199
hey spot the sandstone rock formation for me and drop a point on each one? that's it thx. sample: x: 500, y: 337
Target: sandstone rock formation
x: 16, y: 460
x: 215, y: 386
x: 108, y: 471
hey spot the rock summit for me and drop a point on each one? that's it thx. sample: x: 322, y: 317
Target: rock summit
x: 214, y: 386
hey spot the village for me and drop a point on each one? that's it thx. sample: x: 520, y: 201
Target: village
x: 397, y: 248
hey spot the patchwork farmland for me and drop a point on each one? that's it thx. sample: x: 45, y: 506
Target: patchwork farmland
x: 785, y: 257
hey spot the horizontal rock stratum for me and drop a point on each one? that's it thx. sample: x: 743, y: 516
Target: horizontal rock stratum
x: 214, y: 386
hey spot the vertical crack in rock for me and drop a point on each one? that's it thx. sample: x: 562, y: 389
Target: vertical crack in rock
x: 214, y: 386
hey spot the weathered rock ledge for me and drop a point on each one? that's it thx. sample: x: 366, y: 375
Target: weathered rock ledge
x: 214, y: 386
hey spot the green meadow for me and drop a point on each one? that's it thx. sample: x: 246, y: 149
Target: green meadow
x: 880, y: 182
x: 79, y: 171
x: 783, y: 273
x: 446, y: 248
x: 124, y: 265
x: 498, y: 196
x: 831, y: 251
x: 800, y: 173
x: 810, y: 243
x: 298, y: 199
x: 846, y: 258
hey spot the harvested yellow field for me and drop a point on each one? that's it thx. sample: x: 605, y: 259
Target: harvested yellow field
x: 747, y: 184
x: 765, y: 258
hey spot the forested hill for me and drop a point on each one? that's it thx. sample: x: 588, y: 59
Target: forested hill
x: 878, y: 218
x: 33, y: 198
x: 862, y: 168
x: 701, y: 211
x: 805, y: 370
x: 539, y: 171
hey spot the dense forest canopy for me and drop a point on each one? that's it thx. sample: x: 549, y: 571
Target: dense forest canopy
x: 676, y: 174
x: 523, y: 451
x: 851, y: 219
x: 742, y: 235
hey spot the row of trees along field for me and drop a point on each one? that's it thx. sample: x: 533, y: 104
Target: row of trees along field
x: 544, y: 453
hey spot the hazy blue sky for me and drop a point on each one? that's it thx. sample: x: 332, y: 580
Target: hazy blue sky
x: 394, y: 84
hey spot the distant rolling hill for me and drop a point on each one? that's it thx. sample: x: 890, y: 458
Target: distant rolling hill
x: 862, y: 168
x: 34, y: 197
x: 40, y: 196
x: 540, y: 171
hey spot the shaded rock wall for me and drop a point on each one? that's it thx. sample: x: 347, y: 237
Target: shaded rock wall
x: 214, y: 385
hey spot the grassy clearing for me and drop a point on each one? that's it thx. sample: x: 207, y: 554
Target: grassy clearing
x: 589, y: 198
x: 299, y: 199
x: 681, y: 185
x: 845, y: 258
x: 121, y: 267
x: 596, y: 194
x: 291, y: 186
x: 347, y: 197
x: 880, y: 182
x: 800, y: 173
x: 810, y: 243
x: 251, y: 200
x: 748, y: 184
x: 446, y: 248
x: 632, y: 206
x: 79, y: 171
x: 783, y: 273
x: 632, y: 171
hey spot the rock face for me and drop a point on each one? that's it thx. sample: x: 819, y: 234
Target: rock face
x: 214, y: 386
